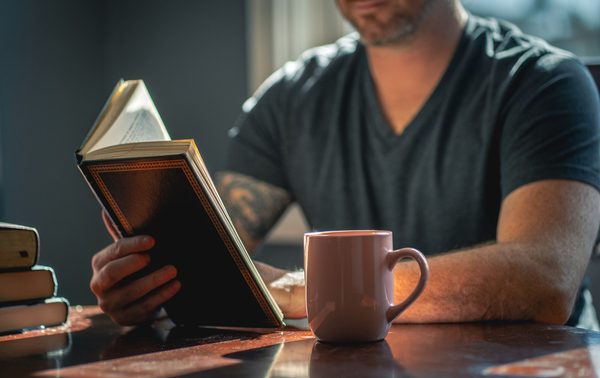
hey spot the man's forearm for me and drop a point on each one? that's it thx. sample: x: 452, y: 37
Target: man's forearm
x: 546, y: 232
x: 492, y: 282
x: 507, y: 281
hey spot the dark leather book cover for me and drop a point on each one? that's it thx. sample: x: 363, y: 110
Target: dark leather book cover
x: 163, y: 197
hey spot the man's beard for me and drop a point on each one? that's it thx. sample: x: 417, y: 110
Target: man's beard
x: 377, y: 33
x: 397, y: 30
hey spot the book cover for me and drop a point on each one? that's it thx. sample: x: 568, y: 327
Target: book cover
x: 37, y: 283
x: 162, y: 189
x: 19, y: 246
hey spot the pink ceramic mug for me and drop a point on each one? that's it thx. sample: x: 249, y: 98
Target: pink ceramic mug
x: 350, y: 284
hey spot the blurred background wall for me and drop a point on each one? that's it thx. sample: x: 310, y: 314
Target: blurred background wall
x: 200, y: 59
x: 60, y: 59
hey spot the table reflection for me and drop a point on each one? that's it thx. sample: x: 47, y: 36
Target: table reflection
x: 426, y: 350
x: 373, y: 360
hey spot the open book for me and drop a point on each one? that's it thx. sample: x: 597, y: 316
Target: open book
x: 151, y: 185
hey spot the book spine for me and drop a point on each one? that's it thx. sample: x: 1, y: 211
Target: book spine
x: 19, y: 247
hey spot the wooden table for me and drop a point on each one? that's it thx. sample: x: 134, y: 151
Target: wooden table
x: 91, y: 345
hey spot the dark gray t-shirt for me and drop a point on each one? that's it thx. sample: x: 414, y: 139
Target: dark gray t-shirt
x: 509, y: 110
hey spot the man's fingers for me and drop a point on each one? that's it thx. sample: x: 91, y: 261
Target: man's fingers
x: 106, y: 278
x: 120, y: 297
x: 121, y: 248
x: 137, y: 301
x: 145, y: 285
x: 145, y: 309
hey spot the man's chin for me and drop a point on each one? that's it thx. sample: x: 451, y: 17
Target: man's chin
x: 397, y: 37
x: 384, y: 32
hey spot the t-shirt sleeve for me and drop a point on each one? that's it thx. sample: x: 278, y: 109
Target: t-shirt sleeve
x: 255, y: 140
x: 551, y: 127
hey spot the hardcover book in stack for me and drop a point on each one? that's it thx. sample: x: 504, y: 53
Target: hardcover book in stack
x: 27, y: 291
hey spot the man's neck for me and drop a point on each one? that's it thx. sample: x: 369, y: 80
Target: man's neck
x: 405, y: 75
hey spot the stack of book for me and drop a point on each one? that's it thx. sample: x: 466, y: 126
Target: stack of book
x: 27, y: 291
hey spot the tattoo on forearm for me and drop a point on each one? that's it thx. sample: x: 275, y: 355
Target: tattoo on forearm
x: 252, y: 204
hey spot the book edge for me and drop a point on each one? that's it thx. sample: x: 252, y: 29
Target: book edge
x: 101, y: 114
x: 41, y: 302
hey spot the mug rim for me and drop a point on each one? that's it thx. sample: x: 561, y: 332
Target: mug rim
x: 347, y: 233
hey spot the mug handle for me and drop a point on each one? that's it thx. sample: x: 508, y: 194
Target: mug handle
x: 392, y: 258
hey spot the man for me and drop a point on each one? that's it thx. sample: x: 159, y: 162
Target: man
x: 470, y: 141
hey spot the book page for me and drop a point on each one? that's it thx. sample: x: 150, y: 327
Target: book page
x: 138, y: 122
x: 143, y: 127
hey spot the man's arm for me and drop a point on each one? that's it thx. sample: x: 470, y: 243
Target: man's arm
x: 254, y: 207
x: 546, y: 232
x: 545, y: 235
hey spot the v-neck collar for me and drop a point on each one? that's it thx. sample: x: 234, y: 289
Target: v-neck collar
x: 375, y: 114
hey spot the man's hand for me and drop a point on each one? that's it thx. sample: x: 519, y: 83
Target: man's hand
x: 287, y: 288
x: 132, y: 302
